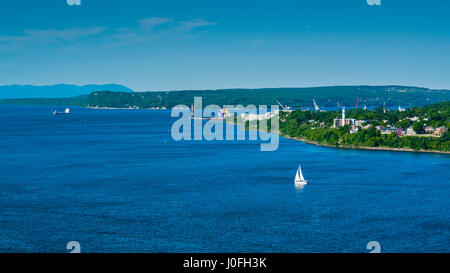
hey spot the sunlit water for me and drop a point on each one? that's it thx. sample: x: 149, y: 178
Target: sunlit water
x: 115, y: 181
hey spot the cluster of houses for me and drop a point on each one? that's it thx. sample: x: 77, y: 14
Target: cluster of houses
x: 430, y: 131
x: 398, y: 131
x: 387, y: 130
x: 437, y: 132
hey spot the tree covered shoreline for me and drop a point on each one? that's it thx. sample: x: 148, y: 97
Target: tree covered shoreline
x: 316, y: 127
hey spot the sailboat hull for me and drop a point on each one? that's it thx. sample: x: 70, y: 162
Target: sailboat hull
x: 301, y: 182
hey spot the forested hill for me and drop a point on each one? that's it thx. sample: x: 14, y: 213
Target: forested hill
x: 294, y: 97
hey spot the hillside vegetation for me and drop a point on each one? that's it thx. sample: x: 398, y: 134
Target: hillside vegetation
x: 294, y: 97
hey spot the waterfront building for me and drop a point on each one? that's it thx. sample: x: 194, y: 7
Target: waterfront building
x: 388, y: 130
x: 354, y: 129
x: 441, y: 130
x: 253, y: 116
x: 429, y: 129
x: 410, y: 132
x: 339, y: 122
x: 399, y: 132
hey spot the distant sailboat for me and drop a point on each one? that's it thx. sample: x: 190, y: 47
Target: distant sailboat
x: 66, y: 112
x: 299, y: 179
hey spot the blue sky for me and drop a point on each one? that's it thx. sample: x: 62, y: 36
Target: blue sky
x: 212, y: 44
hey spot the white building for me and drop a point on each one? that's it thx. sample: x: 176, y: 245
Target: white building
x: 253, y: 116
x: 361, y: 123
x: 339, y: 122
x: 410, y: 132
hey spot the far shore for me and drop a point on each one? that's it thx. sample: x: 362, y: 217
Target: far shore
x: 123, y: 108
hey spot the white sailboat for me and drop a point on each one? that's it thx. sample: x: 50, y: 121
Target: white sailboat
x: 66, y: 112
x: 299, y: 179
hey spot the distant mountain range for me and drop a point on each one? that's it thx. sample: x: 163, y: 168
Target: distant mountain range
x: 55, y: 91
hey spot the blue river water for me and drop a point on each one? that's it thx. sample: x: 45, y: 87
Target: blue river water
x: 115, y: 181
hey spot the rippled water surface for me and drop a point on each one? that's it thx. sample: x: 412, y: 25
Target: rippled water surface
x: 115, y: 181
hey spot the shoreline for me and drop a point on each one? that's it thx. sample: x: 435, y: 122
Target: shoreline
x: 363, y: 147
x: 356, y: 148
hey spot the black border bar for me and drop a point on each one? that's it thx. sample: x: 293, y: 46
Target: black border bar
x: 226, y: 262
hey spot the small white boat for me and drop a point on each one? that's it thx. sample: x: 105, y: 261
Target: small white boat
x: 66, y: 112
x: 299, y: 179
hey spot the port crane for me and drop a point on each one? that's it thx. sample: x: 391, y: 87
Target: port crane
x: 316, y: 106
x: 282, y: 107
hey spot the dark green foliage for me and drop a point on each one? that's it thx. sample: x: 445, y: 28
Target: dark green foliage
x: 294, y: 97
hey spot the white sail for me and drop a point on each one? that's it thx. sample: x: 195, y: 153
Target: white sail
x: 299, y: 179
x: 301, y: 174
x: 67, y: 111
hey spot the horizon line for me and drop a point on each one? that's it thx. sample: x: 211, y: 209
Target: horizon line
x: 228, y: 88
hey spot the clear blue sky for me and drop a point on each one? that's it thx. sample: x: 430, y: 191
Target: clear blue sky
x: 202, y: 44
